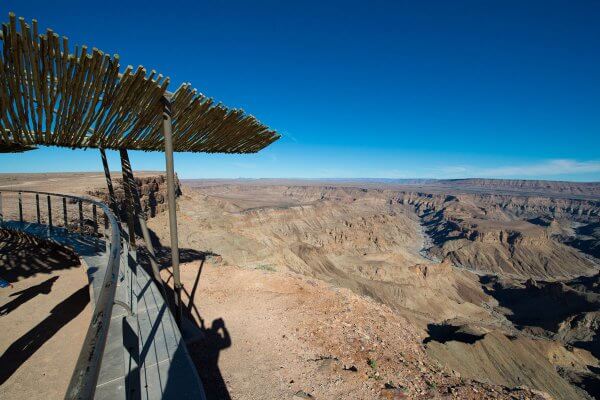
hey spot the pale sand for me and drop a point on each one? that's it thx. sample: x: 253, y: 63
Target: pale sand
x: 43, y: 335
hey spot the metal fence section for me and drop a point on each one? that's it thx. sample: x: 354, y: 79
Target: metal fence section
x: 28, y: 209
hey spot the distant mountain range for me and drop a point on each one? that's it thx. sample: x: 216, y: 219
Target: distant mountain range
x: 588, y: 190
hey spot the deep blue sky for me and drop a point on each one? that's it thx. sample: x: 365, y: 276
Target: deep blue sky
x: 438, y: 89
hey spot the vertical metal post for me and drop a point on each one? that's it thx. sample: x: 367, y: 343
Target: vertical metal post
x: 1, y: 210
x: 64, y: 201
x: 37, y: 208
x: 106, y: 232
x: 80, y: 217
x: 168, y: 135
x: 95, y: 219
x: 49, y: 212
x: 20, y: 207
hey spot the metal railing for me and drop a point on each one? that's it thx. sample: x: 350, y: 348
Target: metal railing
x: 85, y: 376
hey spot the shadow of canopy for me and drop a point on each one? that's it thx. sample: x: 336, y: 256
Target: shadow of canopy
x: 23, y: 255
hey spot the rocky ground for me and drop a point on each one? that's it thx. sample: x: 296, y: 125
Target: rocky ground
x: 276, y: 335
x: 368, y: 240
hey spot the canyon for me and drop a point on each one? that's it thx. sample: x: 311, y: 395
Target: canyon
x: 419, y: 289
x: 503, y: 288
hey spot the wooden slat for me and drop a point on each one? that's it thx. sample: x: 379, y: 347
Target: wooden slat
x: 52, y: 96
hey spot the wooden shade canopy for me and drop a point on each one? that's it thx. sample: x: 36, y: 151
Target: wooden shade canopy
x: 52, y: 97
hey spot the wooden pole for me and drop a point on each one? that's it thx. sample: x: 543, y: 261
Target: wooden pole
x: 128, y: 202
x: 140, y: 214
x: 1, y: 209
x: 111, y: 191
x: 168, y: 135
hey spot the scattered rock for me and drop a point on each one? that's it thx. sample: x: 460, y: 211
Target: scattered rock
x: 301, y: 394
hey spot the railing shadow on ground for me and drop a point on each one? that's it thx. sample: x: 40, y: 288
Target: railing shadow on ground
x: 24, y: 347
x: 23, y: 255
x: 208, y: 342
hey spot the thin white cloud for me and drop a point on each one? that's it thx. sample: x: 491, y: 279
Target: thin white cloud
x: 541, y: 169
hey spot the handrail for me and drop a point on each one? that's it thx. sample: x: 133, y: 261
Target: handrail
x: 85, y: 375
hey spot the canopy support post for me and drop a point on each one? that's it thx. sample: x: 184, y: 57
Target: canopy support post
x: 129, y: 232
x: 129, y: 180
x: 111, y: 191
x: 129, y: 207
x: 168, y: 136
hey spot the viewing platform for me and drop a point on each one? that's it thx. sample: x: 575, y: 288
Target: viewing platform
x: 145, y: 356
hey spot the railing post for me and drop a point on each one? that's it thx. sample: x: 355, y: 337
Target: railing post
x: 168, y: 135
x: 106, y: 232
x: 49, y: 212
x: 37, y: 208
x: 95, y: 226
x: 95, y: 219
x: 1, y: 211
x: 20, y: 207
x: 85, y: 376
x: 80, y: 217
x: 64, y: 201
